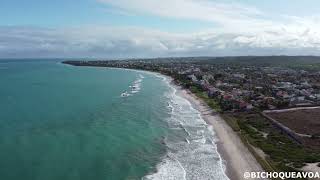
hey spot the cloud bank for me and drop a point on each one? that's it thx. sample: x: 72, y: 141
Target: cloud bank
x: 238, y: 30
x: 203, y: 10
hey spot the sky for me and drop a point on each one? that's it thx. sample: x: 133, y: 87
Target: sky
x: 158, y: 28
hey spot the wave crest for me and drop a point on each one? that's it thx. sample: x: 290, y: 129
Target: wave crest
x: 192, y: 150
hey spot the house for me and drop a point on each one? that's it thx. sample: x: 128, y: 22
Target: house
x: 193, y: 78
x: 299, y: 101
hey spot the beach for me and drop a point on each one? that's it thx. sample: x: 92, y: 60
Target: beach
x: 236, y: 155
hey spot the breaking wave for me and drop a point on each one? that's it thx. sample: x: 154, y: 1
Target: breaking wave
x: 134, y: 88
x: 191, y: 145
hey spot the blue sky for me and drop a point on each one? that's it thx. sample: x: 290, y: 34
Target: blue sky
x: 66, y: 13
x: 152, y: 28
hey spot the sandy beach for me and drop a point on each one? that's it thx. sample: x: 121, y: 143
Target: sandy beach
x: 236, y: 155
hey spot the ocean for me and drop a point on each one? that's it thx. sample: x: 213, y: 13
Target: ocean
x: 59, y: 122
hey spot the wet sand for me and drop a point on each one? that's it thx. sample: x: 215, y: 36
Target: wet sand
x: 238, y: 159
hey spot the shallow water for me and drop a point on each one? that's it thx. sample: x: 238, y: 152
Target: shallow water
x: 192, y: 151
x: 63, y: 122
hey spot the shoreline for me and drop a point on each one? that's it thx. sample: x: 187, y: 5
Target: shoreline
x: 235, y: 155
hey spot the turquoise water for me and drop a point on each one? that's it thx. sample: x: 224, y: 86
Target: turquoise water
x: 63, y: 122
x: 59, y: 122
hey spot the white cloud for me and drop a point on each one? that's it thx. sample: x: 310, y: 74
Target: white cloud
x: 239, y: 30
x: 203, y: 10
x: 106, y: 42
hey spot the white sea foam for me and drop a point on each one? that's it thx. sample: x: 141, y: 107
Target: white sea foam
x: 192, y: 151
x: 135, y: 87
x: 141, y: 76
x: 142, y: 72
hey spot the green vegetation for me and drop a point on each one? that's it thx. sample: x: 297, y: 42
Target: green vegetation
x: 284, y: 154
x: 232, y: 122
x: 204, y: 96
x: 281, y: 153
x: 306, y: 67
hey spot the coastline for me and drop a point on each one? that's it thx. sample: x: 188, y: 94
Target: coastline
x: 237, y: 158
x: 194, y: 155
x: 235, y: 155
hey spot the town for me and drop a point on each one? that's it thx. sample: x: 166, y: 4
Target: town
x: 271, y: 102
x: 236, y: 86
